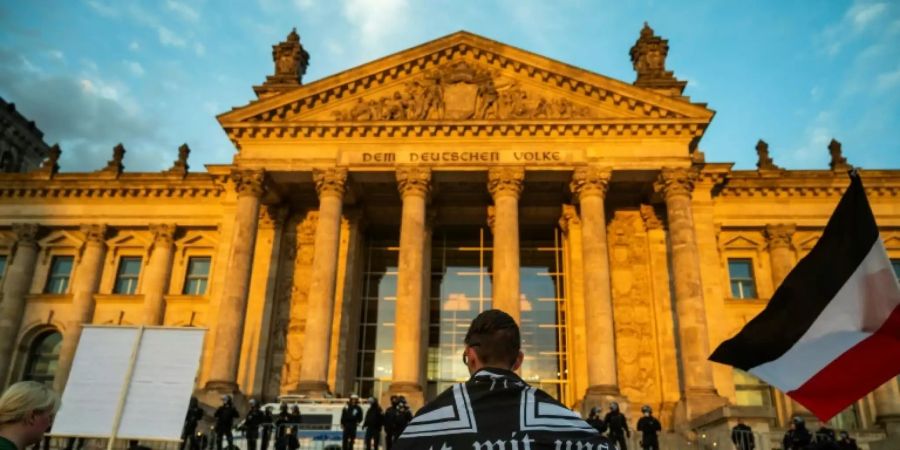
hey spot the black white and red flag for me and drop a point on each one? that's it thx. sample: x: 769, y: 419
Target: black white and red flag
x: 831, y: 332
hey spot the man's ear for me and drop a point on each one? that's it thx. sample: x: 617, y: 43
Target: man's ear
x: 519, y: 358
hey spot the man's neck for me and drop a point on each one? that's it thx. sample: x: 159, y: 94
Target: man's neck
x: 13, y: 435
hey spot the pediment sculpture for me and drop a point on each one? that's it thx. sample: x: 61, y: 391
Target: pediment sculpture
x: 462, y: 91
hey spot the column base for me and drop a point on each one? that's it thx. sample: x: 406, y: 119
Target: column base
x: 696, y: 402
x: 413, y: 393
x: 601, y: 396
x: 313, y: 388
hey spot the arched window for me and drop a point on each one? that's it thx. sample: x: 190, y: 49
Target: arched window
x: 43, y: 357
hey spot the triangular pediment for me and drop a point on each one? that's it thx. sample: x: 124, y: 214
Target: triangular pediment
x: 465, y: 77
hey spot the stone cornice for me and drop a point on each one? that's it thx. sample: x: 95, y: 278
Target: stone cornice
x: 538, y: 69
x: 89, y: 185
x: 808, y: 184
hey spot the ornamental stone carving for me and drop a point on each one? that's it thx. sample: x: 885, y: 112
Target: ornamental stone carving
x: 590, y: 181
x: 651, y: 219
x: 648, y: 57
x: 26, y: 233
x: 838, y: 161
x: 764, y: 161
x: 508, y: 180
x: 491, y: 217
x: 414, y: 181
x: 249, y: 182
x: 163, y: 233
x: 779, y: 235
x: 115, y: 166
x: 332, y: 181
x: 568, y: 218
x: 95, y: 233
x: 674, y: 182
x: 461, y: 90
x: 180, y: 166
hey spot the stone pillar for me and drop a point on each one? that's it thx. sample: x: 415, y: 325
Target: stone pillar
x: 887, y: 407
x: 250, y: 186
x: 156, y: 277
x: 330, y: 184
x: 414, y: 185
x: 85, y: 282
x: 505, y: 185
x: 700, y: 396
x: 589, y: 186
x: 15, y: 288
x: 570, y: 224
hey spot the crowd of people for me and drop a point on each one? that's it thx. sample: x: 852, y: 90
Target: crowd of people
x: 797, y: 437
x: 614, y: 426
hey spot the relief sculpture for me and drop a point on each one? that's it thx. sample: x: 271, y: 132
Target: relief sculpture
x: 296, y: 321
x: 461, y: 91
x: 636, y: 338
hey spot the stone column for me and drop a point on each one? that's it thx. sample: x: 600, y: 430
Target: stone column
x: 158, y: 271
x: 700, y: 396
x: 505, y: 185
x: 781, y: 256
x: 571, y: 225
x: 589, y: 186
x: 330, y: 184
x: 250, y: 186
x: 887, y: 406
x: 85, y: 282
x: 15, y: 288
x: 414, y: 186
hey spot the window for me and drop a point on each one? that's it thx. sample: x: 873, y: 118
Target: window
x: 740, y: 271
x: 750, y: 391
x: 60, y: 272
x: 2, y: 267
x: 895, y: 263
x: 127, y: 275
x: 197, y: 276
x: 43, y: 358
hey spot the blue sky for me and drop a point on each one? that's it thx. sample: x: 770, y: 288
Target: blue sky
x: 153, y: 74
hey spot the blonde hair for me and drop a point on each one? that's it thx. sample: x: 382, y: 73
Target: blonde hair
x: 24, y: 397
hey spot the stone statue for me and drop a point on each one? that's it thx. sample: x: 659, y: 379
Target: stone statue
x: 648, y: 57
x: 764, y: 162
x: 838, y: 161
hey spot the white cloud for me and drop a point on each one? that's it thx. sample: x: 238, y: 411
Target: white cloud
x: 858, y: 19
x: 888, y: 80
x: 304, y: 5
x: 134, y: 46
x: 199, y: 49
x: 182, y: 10
x: 56, y: 54
x: 863, y: 14
x: 103, y: 9
x: 169, y: 38
x: 135, y: 67
x: 376, y: 19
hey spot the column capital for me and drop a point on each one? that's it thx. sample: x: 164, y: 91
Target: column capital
x: 507, y: 180
x: 95, y: 233
x: 674, y: 182
x: 26, y: 233
x: 651, y: 219
x: 249, y: 182
x: 779, y: 235
x: 163, y: 233
x: 590, y: 180
x: 414, y: 181
x: 569, y: 217
x: 331, y: 181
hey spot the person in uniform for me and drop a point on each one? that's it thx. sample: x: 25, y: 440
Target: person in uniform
x: 391, y: 420
x: 295, y: 419
x: 742, y: 436
x: 252, y: 422
x: 495, y: 408
x: 649, y: 428
x: 192, y: 418
x: 267, y: 424
x: 281, y: 424
x: 618, y: 426
x: 225, y: 416
x: 846, y: 442
x: 797, y: 437
x: 404, y: 415
x: 596, y: 421
x: 825, y: 439
x: 351, y: 416
x: 373, y: 423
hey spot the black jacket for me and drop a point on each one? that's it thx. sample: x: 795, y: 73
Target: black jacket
x: 797, y: 439
x: 351, y: 416
x: 497, y: 409
x: 391, y: 420
x: 374, y: 419
x: 225, y: 417
x: 649, y: 427
x: 255, y: 418
x: 597, y: 423
x: 617, y: 423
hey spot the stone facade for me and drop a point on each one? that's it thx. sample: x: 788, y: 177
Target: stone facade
x: 430, y: 139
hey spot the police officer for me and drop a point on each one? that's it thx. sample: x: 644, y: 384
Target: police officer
x: 252, y: 422
x: 267, y: 424
x: 596, y: 421
x: 391, y: 422
x: 282, y: 424
x: 405, y: 415
x: 797, y: 437
x: 225, y: 416
x: 825, y: 439
x: 192, y: 418
x: 373, y: 423
x: 618, y: 426
x: 649, y: 427
x: 742, y: 436
x: 351, y: 416
x: 846, y: 442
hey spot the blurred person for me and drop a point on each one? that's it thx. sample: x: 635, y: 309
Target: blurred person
x: 617, y: 425
x: 372, y: 423
x: 27, y: 410
x: 596, y: 421
x: 649, y: 428
x: 225, y: 416
x: 351, y: 416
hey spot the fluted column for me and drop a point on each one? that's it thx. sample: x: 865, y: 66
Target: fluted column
x: 676, y: 185
x: 505, y: 185
x: 330, y: 185
x: 589, y: 185
x: 85, y: 282
x: 250, y: 186
x: 414, y: 185
x: 15, y: 288
x: 157, y: 273
x: 781, y: 256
